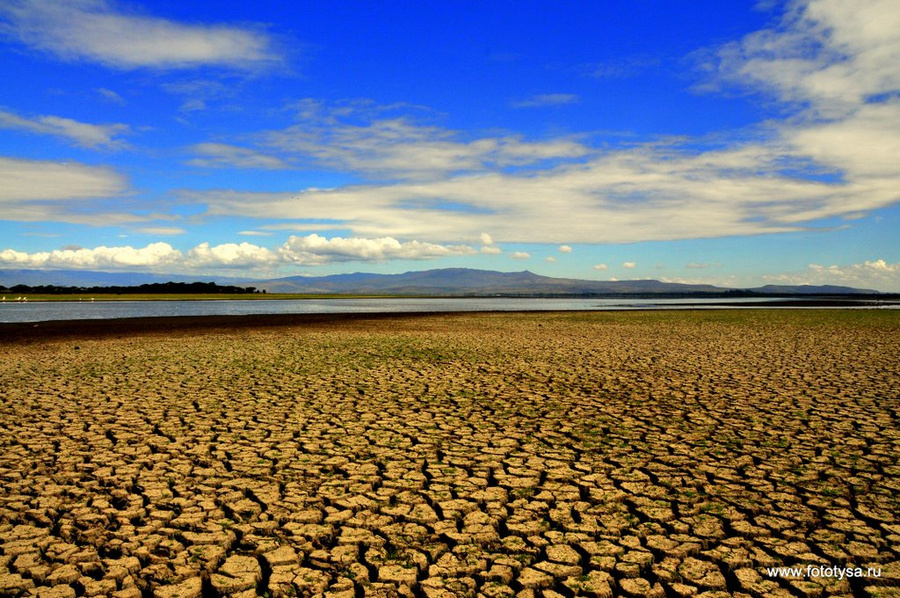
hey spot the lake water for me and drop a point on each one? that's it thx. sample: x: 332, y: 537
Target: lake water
x: 12, y: 311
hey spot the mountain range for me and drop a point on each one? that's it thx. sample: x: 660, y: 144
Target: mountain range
x: 441, y: 282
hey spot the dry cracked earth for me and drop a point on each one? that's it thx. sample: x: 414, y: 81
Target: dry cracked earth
x: 609, y: 454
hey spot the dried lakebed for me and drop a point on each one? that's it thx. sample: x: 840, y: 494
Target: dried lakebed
x: 627, y: 454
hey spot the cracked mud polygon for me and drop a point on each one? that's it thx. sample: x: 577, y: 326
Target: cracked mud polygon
x: 604, y: 454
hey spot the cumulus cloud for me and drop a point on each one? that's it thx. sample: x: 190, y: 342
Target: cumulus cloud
x: 520, y: 255
x: 601, y: 267
x: 83, y: 134
x: 629, y: 265
x: 488, y: 246
x: 876, y: 274
x: 547, y: 99
x: 315, y: 250
x: 311, y: 250
x: 551, y: 259
x: 151, y: 256
x: 101, y: 31
x: 230, y: 255
x: 565, y: 249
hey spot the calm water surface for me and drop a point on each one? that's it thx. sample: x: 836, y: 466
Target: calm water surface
x: 11, y: 311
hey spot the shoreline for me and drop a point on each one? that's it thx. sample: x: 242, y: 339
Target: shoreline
x: 119, y: 327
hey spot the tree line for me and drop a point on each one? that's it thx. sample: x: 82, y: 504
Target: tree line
x: 156, y: 288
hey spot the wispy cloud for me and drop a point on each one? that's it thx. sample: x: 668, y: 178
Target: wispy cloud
x: 36, y: 190
x: 83, y: 134
x: 221, y: 155
x: 629, y: 265
x: 104, y: 32
x: 836, y: 69
x: 50, y: 181
x: 390, y: 142
x: 547, y: 99
x: 111, y: 96
x: 619, y: 68
x: 828, y: 57
x: 161, y: 230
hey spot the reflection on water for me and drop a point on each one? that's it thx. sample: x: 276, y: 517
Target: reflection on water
x: 11, y: 311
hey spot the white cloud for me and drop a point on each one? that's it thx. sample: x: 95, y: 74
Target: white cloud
x: 314, y: 250
x: 876, y: 274
x: 520, y: 255
x: 835, y: 66
x: 738, y: 191
x: 83, y: 134
x: 488, y: 246
x: 827, y: 55
x: 601, y: 267
x: 111, y: 96
x: 34, y: 191
x: 219, y: 155
x: 871, y: 274
x: 161, y: 230
x: 696, y: 266
x: 832, y: 155
x: 551, y: 259
x: 629, y: 265
x: 547, y: 99
x: 192, y: 105
x: 565, y: 249
x: 102, y: 32
x: 229, y: 255
x: 151, y: 256
x: 386, y: 142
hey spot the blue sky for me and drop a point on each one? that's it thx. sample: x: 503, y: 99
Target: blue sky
x: 731, y: 143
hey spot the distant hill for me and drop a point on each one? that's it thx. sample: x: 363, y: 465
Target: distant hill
x: 771, y: 289
x: 465, y: 281
x: 448, y: 282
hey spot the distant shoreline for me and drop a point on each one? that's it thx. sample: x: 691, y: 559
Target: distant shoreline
x: 726, y: 299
